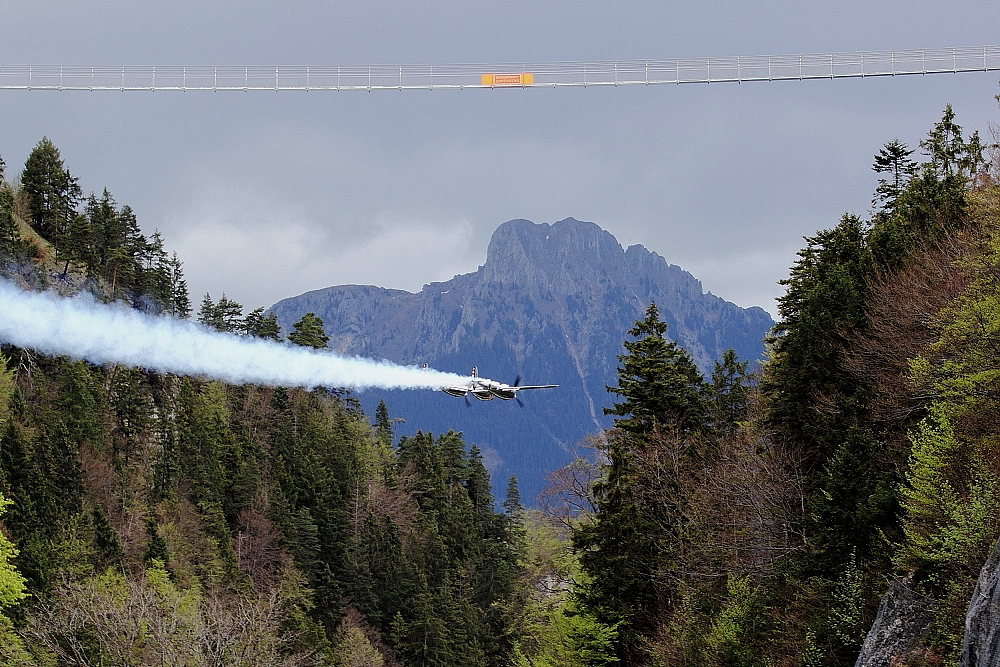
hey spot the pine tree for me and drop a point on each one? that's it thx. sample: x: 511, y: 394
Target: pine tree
x: 258, y: 325
x: 225, y: 316
x: 894, y: 159
x: 630, y: 544
x: 10, y: 238
x: 308, y: 332
x: 660, y: 384
x: 383, y: 425
x: 78, y: 244
x: 512, y: 503
x: 52, y: 192
x: 933, y: 204
x: 729, y: 393
x: 180, y: 302
x: 824, y: 304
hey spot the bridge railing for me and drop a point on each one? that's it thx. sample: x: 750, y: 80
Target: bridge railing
x: 499, y: 75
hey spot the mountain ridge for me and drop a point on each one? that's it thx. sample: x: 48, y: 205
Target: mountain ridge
x: 551, y: 303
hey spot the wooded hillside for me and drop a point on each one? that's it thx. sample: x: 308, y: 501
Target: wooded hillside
x: 733, y: 520
x: 762, y: 526
x: 157, y: 519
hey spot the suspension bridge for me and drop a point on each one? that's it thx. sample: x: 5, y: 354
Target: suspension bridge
x: 735, y: 69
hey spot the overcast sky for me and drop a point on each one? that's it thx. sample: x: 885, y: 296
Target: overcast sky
x: 267, y: 195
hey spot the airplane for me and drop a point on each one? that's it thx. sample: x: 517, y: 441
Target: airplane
x: 485, y: 389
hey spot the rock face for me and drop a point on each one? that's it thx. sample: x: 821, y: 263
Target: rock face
x: 904, y: 616
x: 981, y: 645
x: 553, y: 304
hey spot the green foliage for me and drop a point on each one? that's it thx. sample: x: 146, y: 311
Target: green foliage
x: 824, y: 304
x: 12, y: 591
x: 894, y: 159
x: 308, y: 332
x: 730, y: 395
x: 847, y: 608
x: 571, y: 639
x: 11, y: 245
x: 52, y: 192
x: 950, y: 505
x: 554, y: 631
x: 258, y: 325
x: 659, y: 383
x: 12, y: 587
x: 728, y: 642
x: 383, y: 425
x: 226, y: 315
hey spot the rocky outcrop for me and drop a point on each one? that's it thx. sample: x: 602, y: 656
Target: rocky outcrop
x: 981, y: 645
x: 552, y: 303
x: 904, y: 615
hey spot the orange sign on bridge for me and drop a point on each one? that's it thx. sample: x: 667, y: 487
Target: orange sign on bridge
x: 511, y: 79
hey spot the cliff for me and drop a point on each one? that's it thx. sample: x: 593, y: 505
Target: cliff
x: 552, y: 303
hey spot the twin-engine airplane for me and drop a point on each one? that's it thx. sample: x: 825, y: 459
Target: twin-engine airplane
x: 486, y: 390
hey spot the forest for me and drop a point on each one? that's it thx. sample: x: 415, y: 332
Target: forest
x: 750, y: 517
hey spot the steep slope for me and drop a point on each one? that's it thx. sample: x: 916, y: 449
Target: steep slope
x: 552, y: 303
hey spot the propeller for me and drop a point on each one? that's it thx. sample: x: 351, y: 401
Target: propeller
x: 517, y: 381
x: 468, y: 403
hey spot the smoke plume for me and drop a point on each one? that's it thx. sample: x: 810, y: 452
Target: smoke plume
x: 82, y: 328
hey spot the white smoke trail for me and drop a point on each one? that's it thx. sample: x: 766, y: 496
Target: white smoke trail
x: 82, y: 328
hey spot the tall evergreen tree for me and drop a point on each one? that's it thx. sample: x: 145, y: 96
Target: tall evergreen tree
x: 10, y: 237
x: 225, y: 316
x: 52, y: 192
x: 893, y: 159
x: 180, y: 302
x: 729, y: 393
x: 308, y: 332
x: 659, y: 383
x: 383, y: 425
x: 512, y: 503
x: 629, y: 545
x: 824, y: 304
x: 258, y: 325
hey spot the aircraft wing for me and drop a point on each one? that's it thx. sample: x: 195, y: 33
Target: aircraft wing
x: 536, y: 386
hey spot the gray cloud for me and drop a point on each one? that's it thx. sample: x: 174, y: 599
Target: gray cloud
x: 267, y: 195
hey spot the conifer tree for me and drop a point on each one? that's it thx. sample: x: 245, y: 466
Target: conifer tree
x: 512, y: 503
x: 225, y: 316
x: 729, y: 394
x: 258, y: 325
x: 629, y: 544
x: 383, y: 425
x: 894, y: 159
x: 180, y: 302
x: 10, y: 238
x: 78, y: 244
x: 823, y: 305
x: 52, y: 192
x: 659, y: 383
x: 308, y: 332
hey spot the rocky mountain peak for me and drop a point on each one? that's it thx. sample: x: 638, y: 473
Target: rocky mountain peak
x: 552, y: 303
x: 521, y: 248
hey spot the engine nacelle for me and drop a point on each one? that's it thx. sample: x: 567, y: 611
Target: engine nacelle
x: 503, y: 394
